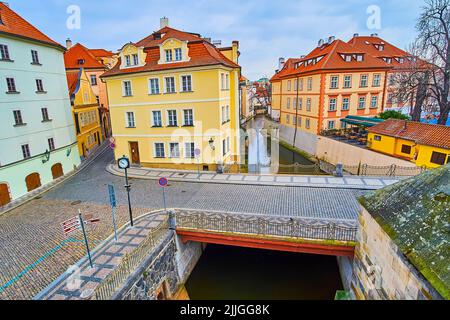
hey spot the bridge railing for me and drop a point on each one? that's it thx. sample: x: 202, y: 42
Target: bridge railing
x: 315, y: 229
x: 130, y: 261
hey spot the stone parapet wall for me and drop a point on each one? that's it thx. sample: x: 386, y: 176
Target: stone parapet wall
x: 187, y: 257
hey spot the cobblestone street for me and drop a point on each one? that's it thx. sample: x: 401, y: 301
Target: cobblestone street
x: 35, y: 251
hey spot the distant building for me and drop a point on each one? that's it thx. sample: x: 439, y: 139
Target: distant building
x: 402, y: 242
x: 422, y: 143
x: 37, y: 135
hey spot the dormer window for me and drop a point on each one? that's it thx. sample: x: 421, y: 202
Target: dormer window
x: 400, y: 60
x: 135, y: 59
x: 127, y: 60
x: 178, y: 56
x: 379, y: 47
x: 348, y: 58
x: 387, y: 60
x: 80, y: 61
x: 168, y: 55
x: 359, y: 57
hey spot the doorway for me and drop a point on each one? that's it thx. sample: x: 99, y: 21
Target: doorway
x: 134, y: 150
x: 33, y: 181
x: 5, y: 197
x: 57, y: 170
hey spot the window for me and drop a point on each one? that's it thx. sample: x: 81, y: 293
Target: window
x: 377, y: 138
x: 172, y: 117
x: 178, y: 55
x: 127, y: 60
x: 376, y: 80
x: 406, y: 149
x: 51, y: 144
x: 188, y: 117
x: 4, y: 53
x: 392, y: 79
x: 222, y: 81
x: 300, y: 85
x: 80, y: 61
x: 334, y: 82
x: 294, y: 103
x: 332, y: 106
x: 347, y: 82
x: 308, y: 104
x: 295, y: 85
x: 374, y: 102
x: 186, y: 83
x: 331, y: 124
x: 34, y: 57
x: 154, y: 86
x: 26, y: 151
x: 345, y: 103
x: 127, y: 88
x: 438, y: 158
x: 170, y: 84
x: 300, y: 103
x: 310, y: 80
x: 189, y: 150
x: 135, y: 59
x: 168, y: 55
x: 288, y: 119
x: 289, y: 85
x: 227, y: 81
x: 130, y: 120
x: 159, y: 150
x: 288, y: 103
x: 227, y: 108
x: 299, y: 121
x: 18, y: 118
x: 362, y: 103
x: 224, y: 147
x: 157, y: 121
x: 11, y: 84
x: 307, y: 123
x: 93, y: 79
x: 363, y: 80
x: 294, y: 120
x: 45, y: 116
x: 174, y: 150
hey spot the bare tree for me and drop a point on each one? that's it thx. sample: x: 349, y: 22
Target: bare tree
x: 434, y: 38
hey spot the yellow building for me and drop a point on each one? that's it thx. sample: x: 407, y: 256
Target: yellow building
x: 334, y: 80
x: 171, y: 93
x: 422, y: 143
x: 85, y: 110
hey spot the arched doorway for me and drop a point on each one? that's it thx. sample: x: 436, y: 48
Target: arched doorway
x: 33, y: 181
x: 57, y: 170
x: 5, y: 197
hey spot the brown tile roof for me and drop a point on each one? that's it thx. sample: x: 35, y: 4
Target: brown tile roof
x: 15, y: 25
x: 329, y: 58
x: 101, y: 53
x: 78, y: 52
x: 420, y: 133
x: 201, y: 53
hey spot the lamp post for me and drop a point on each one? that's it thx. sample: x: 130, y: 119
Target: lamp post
x: 124, y: 163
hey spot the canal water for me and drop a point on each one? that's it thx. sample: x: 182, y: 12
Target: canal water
x: 226, y: 272
x: 265, y: 155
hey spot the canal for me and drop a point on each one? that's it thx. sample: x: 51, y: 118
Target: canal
x: 225, y: 273
x: 265, y: 155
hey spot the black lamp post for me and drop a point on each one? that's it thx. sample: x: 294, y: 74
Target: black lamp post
x: 124, y: 163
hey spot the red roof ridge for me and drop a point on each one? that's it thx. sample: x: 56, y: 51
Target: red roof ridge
x: 79, y: 51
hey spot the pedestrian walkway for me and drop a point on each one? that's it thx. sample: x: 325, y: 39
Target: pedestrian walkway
x: 80, y: 282
x: 346, y: 182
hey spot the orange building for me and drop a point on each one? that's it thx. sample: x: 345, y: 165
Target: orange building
x: 313, y: 92
x: 94, y: 62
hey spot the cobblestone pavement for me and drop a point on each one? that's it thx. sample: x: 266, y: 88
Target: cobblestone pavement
x: 35, y: 252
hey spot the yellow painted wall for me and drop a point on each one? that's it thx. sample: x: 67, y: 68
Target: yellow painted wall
x: 424, y: 156
x: 385, y: 145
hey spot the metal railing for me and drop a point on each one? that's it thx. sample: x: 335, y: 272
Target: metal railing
x: 316, y: 229
x: 130, y: 261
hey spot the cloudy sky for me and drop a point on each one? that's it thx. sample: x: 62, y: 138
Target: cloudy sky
x: 266, y: 29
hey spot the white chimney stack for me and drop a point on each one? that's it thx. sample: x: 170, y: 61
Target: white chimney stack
x: 164, y: 22
x: 68, y: 43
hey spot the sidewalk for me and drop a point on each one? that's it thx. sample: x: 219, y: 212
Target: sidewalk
x: 106, y: 257
x: 346, y: 182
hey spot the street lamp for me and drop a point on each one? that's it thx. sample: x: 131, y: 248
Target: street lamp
x: 46, y: 156
x: 124, y: 163
x: 211, y: 144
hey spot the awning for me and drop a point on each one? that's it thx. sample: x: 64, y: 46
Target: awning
x: 362, y: 121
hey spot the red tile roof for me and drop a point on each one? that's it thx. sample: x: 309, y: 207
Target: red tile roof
x: 72, y: 80
x: 101, y: 53
x: 15, y: 25
x: 77, y: 52
x: 421, y: 133
x: 201, y: 53
x: 329, y: 58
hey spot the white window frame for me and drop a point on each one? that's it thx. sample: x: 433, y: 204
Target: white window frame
x: 127, y: 123
x: 186, y: 149
x: 349, y: 77
x: 334, y: 82
x: 376, y: 102
x: 309, y: 84
x: 174, y: 84
x: 28, y: 149
x: 334, y: 104
x: 348, y: 103
x: 359, y: 102
x: 150, y: 86
x: 154, y: 149
x: 50, y: 145
x: 168, y: 118
x: 376, y: 76
x: 191, y: 83
x: 366, y: 76
x: 308, y: 104
x: 184, y: 116
x: 170, y: 150
x: 124, y: 90
x: 168, y: 54
x: 176, y: 50
x: 135, y: 58
x: 160, y: 118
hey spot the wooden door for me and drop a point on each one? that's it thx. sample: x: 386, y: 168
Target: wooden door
x: 134, y: 149
x: 57, y: 170
x: 5, y: 197
x: 33, y: 181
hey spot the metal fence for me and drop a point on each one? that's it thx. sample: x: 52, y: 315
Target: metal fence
x: 106, y: 289
x: 370, y: 170
x: 316, y: 229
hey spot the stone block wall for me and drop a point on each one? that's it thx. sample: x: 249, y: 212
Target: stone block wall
x: 187, y: 257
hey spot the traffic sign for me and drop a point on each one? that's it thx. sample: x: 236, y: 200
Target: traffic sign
x: 112, y: 195
x: 163, y: 182
x: 197, y: 152
x: 70, y: 225
x: 112, y: 145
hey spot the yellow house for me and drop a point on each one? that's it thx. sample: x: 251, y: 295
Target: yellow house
x: 171, y: 93
x: 85, y: 110
x: 422, y: 143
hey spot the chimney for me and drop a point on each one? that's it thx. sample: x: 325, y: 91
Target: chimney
x: 280, y: 63
x: 374, y: 35
x: 355, y: 35
x: 331, y: 39
x: 163, y: 22
x: 68, y: 43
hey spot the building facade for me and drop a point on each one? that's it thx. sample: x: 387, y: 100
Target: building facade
x: 334, y: 80
x: 422, y: 143
x: 86, y: 112
x: 171, y: 93
x: 37, y: 135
